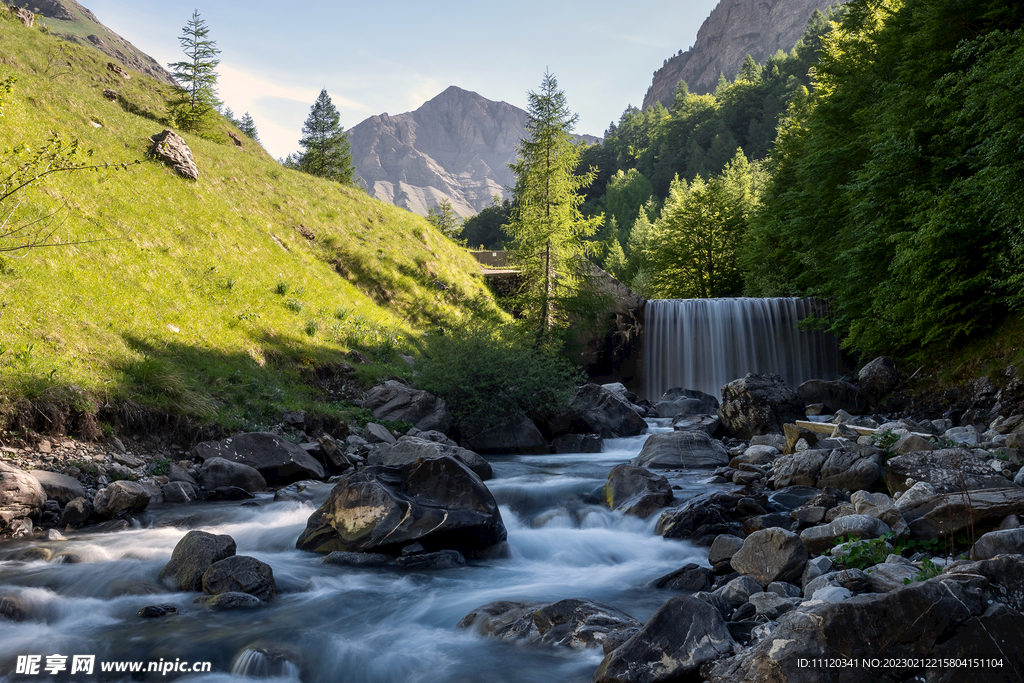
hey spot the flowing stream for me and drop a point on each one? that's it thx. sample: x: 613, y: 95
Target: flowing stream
x: 332, y: 623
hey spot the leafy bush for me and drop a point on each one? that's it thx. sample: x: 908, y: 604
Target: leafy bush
x: 488, y: 374
x: 160, y: 467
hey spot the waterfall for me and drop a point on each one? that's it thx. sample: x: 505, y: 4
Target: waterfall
x: 705, y: 343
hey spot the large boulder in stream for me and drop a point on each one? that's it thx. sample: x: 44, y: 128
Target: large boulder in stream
x: 671, y: 450
x: 192, y: 556
x: 516, y: 434
x: 575, y: 623
x: 758, y: 404
x: 636, y: 491
x: 679, y: 401
x: 437, y: 502
x: 394, y: 401
x: 121, y: 496
x: 277, y: 460
x: 598, y: 410
x: 240, y: 574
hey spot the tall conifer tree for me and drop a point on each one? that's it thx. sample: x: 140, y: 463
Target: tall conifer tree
x: 196, y: 76
x: 548, y: 231
x: 328, y: 153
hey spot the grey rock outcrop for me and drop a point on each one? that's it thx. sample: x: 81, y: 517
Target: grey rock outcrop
x: 436, y: 502
x: 680, y: 636
x: 58, y: 487
x: 170, y: 148
x: 758, y: 404
x: 517, y: 434
x: 218, y: 472
x: 121, y: 496
x: 681, y: 449
x: 734, y: 29
x: 279, y: 461
x: 408, y: 449
x: 636, y: 491
x: 679, y: 401
x: 394, y: 401
x: 21, y: 496
x: 771, y: 555
x: 575, y: 623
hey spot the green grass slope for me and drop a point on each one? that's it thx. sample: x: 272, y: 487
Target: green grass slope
x: 218, y: 299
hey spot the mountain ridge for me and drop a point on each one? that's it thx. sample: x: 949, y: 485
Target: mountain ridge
x: 456, y: 146
x: 734, y: 29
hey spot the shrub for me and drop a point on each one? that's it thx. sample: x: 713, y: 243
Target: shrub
x: 487, y: 374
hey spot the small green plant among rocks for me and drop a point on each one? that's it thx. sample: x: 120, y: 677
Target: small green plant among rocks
x: 160, y: 467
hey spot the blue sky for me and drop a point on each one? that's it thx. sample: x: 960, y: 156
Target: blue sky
x: 392, y: 57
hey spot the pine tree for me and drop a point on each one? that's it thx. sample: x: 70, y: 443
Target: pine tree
x: 548, y: 232
x: 327, y: 154
x: 443, y: 218
x: 248, y: 126
x: 196, y: 77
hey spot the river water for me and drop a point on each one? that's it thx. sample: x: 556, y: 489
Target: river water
x: 332, y: 623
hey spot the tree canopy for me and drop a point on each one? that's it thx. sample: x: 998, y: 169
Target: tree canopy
x: 327, y: 152
x: 196, y: 75
x: 548, y: 231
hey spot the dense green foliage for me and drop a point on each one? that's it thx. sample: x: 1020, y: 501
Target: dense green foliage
x: 548, y: 232
x: 197, y: 100
x: 327, y: 152
x: 694, y: 252
x: 488, y: 374
x: 443, y: 218
x: 486, y: 229
x: 898, y: 187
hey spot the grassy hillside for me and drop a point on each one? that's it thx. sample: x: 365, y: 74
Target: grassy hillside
x: 217, y: 299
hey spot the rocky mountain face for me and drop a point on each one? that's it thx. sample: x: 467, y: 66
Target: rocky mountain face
x: 456, y: 146
x: 72, y: 22
x: 734, y: 29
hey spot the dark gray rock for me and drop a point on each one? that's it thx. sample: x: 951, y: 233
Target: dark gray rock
x: 438, y: 502
x: 798, y: 469
x: 76, y: 513
x: 758, y: 404
x: 408, y: 449
x: 681, y: 449
x: 681, y: 401
x: 218, y: 472
x: 878, y: 379
x: 228, y: 493
x: 636, y: 491
x: 771, y: 555
x: 394, y: 401
x: 680, y: 636
x: 575, y: 623
x: 441, y: 559
x: 58, y: 487
x: 708, y: 424
x: 606, y: 413
x: 377, y: 433
x: 156, y: 611
x: 121, y: 496
x: 278, y: 461
x: 513, y: 435
x: 951, y: 513
x: 192, y: 556
x: 850, y: 471
x: 350, y: 559
x: 701, y: 519
x: 179, y: 492
x: 832, y: 395
x: 240, y: 574
x: 723, y: 548
x: 947, y: 470
x: 818, y: 539
x: 228, y: 601
x: 577, y: 443
x: 691, y: 577
x: 906, y: 623
x: 1005, y: 542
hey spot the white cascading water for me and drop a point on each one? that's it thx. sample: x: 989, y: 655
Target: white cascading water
x: 704, y: 344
